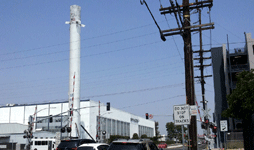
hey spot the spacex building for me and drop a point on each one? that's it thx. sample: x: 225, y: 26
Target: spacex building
x: 49, y: 118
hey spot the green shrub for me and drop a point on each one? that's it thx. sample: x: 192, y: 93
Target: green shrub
x: 170, y: 142
x: 144, y: 136
x: 235, y: 144
x: 135, y: 136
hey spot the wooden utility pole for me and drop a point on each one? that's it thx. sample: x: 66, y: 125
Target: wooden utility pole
x: 185, y: 32
x: 189, y: 75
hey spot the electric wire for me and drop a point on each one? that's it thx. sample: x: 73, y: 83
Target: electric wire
x: 96, y: 71
x: 123, y: 92
x: 116, y: 41
x: 174, y: 41
x: 102, y: 53
x: 151, y: 102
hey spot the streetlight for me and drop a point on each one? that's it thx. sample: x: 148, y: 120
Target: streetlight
x: 99, y: 127
x: 35, y: 116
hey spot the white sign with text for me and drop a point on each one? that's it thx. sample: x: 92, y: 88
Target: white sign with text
x: 223, y: 125
x: 182, y: 114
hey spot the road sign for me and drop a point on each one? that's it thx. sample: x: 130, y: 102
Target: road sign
x: 193, y: 110
x: 151, y: 116
x: 206, y: 113
x: 182, y: 114
x: 223, y: 125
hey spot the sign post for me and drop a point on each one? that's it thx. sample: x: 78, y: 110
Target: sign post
x: 182, y: 116
x: 223, y: 125
x: 224, y: 128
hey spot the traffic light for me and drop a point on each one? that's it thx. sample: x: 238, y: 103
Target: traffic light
x: 147, y: 116
x: 68, y: 129
x: 50, y: 119
x: 214, y: 129
x: 29, y: 131
x: 108, y: 106
x: 203, y: 125
x: 63, y: 129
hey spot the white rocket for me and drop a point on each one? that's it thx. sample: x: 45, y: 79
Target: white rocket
x: 74, y: 75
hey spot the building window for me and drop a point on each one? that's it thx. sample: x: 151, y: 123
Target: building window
x: 253, y: 49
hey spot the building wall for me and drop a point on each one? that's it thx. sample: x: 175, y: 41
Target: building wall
x: 250, y: 49
x: 226, y: 64
x: 89, y: 112
x: 116, y: 115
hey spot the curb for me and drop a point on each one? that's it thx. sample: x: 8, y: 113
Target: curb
x: 176, y: 146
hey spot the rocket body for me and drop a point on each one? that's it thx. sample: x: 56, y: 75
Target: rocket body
x: 74, y: 74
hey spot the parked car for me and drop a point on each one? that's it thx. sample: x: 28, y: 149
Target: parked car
x: 73, y: 144
x: 93, y: 146
x: 133, y: 144
x: 162, y: 145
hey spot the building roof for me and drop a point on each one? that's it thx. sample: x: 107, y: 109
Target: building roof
x: 13, y: 105
x: 10, y: 128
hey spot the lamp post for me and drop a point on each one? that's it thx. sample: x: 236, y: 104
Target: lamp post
x: 35, y: 116
x: 99, y: 125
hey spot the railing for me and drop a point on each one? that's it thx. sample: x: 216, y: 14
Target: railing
x: 237, y: 51
x: 239, y: 68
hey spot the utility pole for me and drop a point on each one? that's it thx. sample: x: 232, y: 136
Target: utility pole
x: 189, y: 80
x: 201, y: 68
x: 185, y: 32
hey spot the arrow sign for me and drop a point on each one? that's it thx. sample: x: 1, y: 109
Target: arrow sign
x: 223, y: 125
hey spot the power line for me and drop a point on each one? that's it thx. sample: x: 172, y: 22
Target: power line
x: 81, y: 47
x: 146, y: 103
x: 124, y: 92
x: 102, y: 53
x: 60, y: 44
x: 134, y: 91
x: 174, y: 41
x: 97, y: 71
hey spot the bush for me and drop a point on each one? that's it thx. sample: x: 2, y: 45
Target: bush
x: 135, y: 136
x: 170, y: 142
x: 235, y: 144
x: 144, y: 136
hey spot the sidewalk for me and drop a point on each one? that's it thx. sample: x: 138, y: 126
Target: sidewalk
x: 175, y: 146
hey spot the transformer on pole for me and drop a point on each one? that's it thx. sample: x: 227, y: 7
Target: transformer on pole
x: 74, y: 74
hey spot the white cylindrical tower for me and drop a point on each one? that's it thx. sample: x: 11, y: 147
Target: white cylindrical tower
x: 74, y: 75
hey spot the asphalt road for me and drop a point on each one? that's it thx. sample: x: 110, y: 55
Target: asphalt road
x: 200, y: 147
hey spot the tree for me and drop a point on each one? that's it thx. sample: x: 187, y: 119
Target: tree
x: 175, y: 131
x: 143, y: 136
x: 135, y: 136
x: 157, y: 132
x: 241, y: 105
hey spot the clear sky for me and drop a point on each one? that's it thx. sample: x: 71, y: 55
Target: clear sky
x: 123, y: 59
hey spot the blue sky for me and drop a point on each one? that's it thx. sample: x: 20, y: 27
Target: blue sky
x: 123, y: 60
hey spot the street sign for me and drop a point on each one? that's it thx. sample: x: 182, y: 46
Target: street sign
x: 206, y: 113
x: 151, y: 116
x: 182, y: 115
x: 223, y: 125
x: 193, y: 110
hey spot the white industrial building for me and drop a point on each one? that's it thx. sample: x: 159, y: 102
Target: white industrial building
x: 14, y: 120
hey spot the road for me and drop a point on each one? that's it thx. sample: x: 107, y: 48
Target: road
x: 200, y: 147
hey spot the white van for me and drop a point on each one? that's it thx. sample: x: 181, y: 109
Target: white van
x: 43, y: 144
